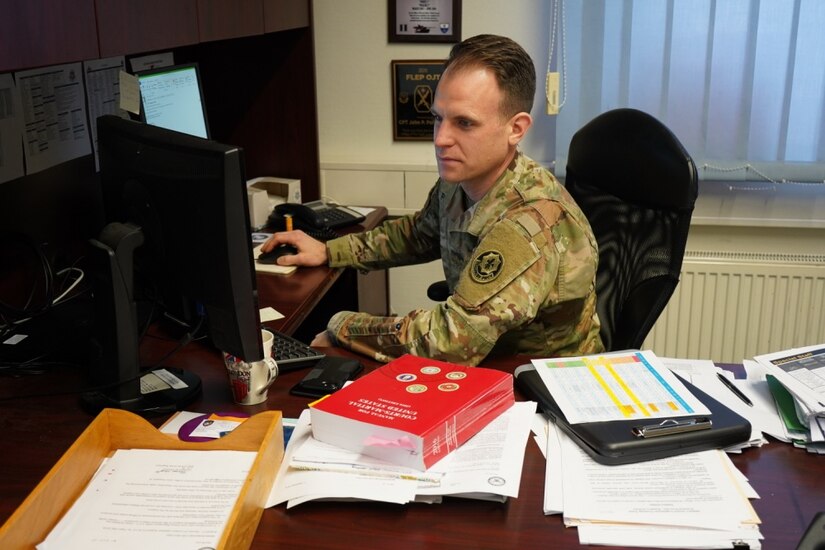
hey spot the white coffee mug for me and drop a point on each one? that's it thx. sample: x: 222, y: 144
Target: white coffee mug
x: 250, y: 381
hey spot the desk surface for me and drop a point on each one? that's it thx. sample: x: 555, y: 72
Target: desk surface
x: 37, y: 430
x: 40, y: 417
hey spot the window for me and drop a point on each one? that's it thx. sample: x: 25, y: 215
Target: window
x: 740, y: 82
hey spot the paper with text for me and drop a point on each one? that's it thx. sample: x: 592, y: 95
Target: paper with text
x: 491, y: 461
x: 157, y: 499
x: 53, y: 103
x: 616, y: 386
x: 488, y: 466
x: 103, y: 92
x: 802, y: 371
x: 11, y: 124
x: 695, y: 490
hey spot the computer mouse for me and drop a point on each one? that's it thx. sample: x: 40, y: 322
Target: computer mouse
x: 272, y: 256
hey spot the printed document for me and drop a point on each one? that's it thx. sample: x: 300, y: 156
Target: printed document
x: 699, y: 496
x: 802, y: 371
x: 490, y: 463
x: 298, y: 485
x: 616, y: 386
x: 158, y: 499
x: 11, y: 123
x: 53, y: 102
x: 103, y: 91
x: 705, y: 375
x: 691, y: 490
x: 646, y: 504
x: 488, y: 467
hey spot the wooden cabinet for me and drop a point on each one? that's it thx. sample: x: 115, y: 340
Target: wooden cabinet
x: 46, y: 32
x: 126, y: 26
x: 221, y: 19
x: 281, y: 15
x: 258, y: 72
x: 36, y: 33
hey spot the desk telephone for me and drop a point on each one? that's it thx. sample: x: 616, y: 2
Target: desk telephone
x: 318, y: 219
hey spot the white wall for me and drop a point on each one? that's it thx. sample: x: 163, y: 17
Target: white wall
x: 362, y: 165
x: 360, y: 162
x: 352, y: 58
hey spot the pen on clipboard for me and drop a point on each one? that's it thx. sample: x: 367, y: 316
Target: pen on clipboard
x: 730, y: 385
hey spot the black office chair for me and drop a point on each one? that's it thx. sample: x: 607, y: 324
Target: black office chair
x: 637, y: 186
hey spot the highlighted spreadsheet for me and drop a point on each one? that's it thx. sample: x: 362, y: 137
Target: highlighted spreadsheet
x: 616, y: 386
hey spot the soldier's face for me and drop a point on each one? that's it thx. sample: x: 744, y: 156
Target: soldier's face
x: 473, y: 140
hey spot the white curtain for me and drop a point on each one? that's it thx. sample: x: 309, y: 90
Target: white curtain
x: 740, y: 82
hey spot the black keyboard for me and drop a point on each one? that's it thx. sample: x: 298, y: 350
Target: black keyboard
x: 323, y: 234
x: 335, y: 217
x: 291, y: 354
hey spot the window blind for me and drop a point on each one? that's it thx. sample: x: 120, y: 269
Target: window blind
x: 740, y: 82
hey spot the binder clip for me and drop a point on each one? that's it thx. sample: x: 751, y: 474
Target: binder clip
x: 673, y: 426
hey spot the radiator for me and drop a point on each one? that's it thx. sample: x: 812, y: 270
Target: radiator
x: 732, y: 306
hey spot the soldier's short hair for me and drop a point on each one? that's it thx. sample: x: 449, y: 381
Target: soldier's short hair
x: 510, y: 64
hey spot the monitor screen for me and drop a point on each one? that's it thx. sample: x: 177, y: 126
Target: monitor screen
x: 171, y: 97
x: 178, y: 231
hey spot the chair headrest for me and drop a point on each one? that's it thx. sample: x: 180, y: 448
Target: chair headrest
x: 630, y: 154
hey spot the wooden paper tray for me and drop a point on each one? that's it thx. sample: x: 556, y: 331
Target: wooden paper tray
x: 115, y: 429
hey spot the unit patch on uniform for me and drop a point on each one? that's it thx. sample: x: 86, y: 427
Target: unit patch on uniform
x: 500, y: 258
x: 487, y: 266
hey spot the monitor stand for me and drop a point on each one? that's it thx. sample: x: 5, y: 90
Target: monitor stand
x: 159, y: 402
x: 115, y: 366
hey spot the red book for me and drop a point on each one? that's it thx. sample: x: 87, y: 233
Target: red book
x: 412, y: 411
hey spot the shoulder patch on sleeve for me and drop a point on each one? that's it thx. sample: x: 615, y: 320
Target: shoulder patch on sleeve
x: 503, y: 255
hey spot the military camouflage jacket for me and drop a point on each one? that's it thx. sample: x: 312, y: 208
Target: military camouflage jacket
x: 520, y: 265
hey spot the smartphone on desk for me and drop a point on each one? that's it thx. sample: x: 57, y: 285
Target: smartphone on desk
x: 327, y: 376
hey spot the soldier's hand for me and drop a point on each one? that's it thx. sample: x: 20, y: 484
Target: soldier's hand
x: 322, y: 340
x: 311, y: 252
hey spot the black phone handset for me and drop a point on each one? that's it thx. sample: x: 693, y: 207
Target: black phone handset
x: 300, y: 213
x: 316, y: 218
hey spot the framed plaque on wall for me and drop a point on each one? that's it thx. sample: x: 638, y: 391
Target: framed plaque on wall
x: 413, y: 90
x: 424, y: 21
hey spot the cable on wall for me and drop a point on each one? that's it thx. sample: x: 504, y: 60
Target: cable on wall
x: 555, y: 84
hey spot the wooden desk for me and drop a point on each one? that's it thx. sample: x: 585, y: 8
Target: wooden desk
x: 37, y: 430
x: 40, y: 417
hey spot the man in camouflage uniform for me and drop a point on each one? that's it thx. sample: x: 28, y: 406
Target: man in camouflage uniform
x: 518, y: 254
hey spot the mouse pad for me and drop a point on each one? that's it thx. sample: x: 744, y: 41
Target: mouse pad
x: 271, y: 268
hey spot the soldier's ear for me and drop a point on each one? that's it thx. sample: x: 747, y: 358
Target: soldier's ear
x: 518, y: 126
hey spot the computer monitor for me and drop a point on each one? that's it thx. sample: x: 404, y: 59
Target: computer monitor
x: 177, y: 231
x: 171, y: 97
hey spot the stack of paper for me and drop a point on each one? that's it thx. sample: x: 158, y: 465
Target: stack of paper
x: 796, y: 378
x: 147, y: 498
x: 697, y: 500
x: 691, y: 500
x: 752, y: 399
x: 488, y: 466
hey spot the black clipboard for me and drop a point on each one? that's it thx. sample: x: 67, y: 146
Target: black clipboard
x: 629, y: 441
